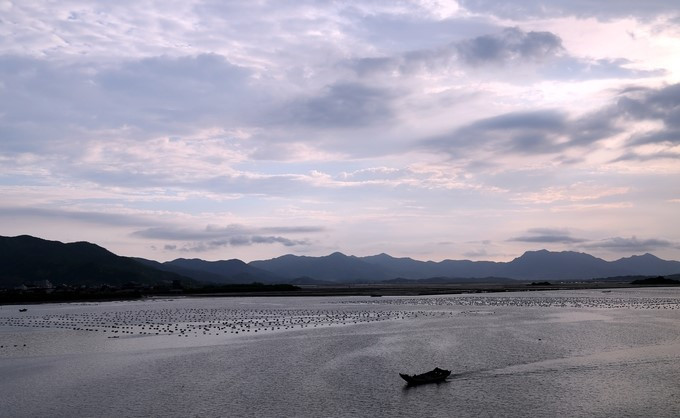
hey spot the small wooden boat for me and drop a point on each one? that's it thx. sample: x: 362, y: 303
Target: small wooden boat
x: 433, y: 376
x: 23, y: 310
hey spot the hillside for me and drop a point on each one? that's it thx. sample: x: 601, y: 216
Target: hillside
x: 27, y: 259
x: 334, y: 267
x: 221, y: 272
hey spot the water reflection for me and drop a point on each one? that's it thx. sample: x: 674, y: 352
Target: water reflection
x: 548, y: 354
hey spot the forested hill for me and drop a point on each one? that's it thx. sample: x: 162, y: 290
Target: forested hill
x: 28, y: 259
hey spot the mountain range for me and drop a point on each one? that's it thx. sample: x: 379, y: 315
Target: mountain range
x: 532, y: 265
x: 25, y: 258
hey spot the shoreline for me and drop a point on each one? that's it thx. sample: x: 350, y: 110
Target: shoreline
x: 379, y: 290
x: 367, y: 290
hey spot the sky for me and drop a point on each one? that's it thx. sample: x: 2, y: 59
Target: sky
x: 431, y: 129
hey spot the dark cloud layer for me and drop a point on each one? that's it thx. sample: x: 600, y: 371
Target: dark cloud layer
x: 553, y: 132
x: 632, y: 244
x: 236, y: 241
x: 661, y: 105
x: 509, y: 46
x: 634, y: 156
x: 536, y: 132
x: 512, y: 44
x: 547, y: 236
x: 658, y: 105
x: 497, y: 52
x: 615, y: 244
x: 213, y: 237
x: 184, y: 234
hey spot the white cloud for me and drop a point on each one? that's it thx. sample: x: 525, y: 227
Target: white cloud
x: 578, y: 192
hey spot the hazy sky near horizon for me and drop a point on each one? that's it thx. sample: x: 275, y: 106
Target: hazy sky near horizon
x: 433, y: 129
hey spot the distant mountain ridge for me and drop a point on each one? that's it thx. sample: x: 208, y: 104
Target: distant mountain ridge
x: 26, y: 258
x: 333, y: 267
x: 222, y: 272
x: 532, y: 265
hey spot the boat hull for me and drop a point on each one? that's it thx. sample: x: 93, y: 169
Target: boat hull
x: 433, y: 376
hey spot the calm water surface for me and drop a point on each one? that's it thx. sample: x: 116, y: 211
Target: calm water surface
x: 535, y: 354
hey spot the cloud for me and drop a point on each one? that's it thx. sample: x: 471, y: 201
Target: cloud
x: 615, y: 244
x: 476, y: 253
x: 671, y: 136
x: 661, y: 105
x: 535, y: 132
x: 554, y: 132
x: 48, y: 102
x: 91, y: 217
x: 659, y: 109
x: 177, y: 87
x: 530, y: 9
x: 236, y: 241
x: 632, y: 244
x: 649, y: 103
x: 510, y: 48
x: 213, y: 231
x: 576, y: 192
x: 413, y: 30
x: 572, y: 68
x: 375, y: 174
x: 634, y: 156
x: 257, y: 239
x: 340, y: 105
x: 547, y: 236
x: 283, y: 113
x: 292, y: 229
x: 511, y: 45
x: 234, y: 235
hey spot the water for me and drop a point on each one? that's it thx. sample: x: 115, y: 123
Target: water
x: 536, y: 354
